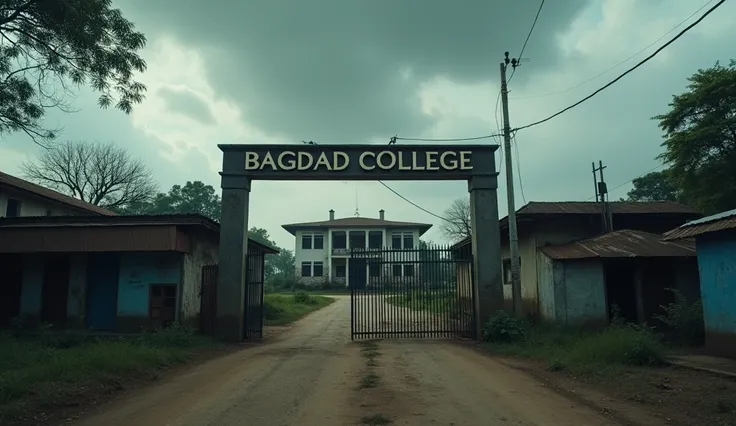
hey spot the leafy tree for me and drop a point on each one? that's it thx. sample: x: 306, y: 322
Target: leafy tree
x: 654, y: 186
x: 50, y: 46
x: 700, y: 139
x: 100, y: 174
x: 193, y: 197
x: 457, y: 223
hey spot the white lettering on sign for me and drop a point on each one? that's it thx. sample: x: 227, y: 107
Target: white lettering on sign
x: 383, y: 160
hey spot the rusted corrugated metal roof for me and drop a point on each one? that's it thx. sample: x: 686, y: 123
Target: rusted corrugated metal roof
x: 357, y: 222
x: 623, y: 243
x: 591, y: 207
x: 91, y: 222
x: 38, y: 190
x: 714, y: 223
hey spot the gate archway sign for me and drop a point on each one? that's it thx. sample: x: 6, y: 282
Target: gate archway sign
x: 242, y: 164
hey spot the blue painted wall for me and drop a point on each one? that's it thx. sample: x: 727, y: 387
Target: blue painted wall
x: 717, y: 267
x: 137, y: 272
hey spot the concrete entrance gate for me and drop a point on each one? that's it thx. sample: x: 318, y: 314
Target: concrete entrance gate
x: 242, y: 164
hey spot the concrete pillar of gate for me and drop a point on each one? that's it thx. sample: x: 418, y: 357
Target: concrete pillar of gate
x: 231, y: 277
x: 486, y: 243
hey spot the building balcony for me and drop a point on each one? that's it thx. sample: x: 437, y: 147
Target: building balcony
x: 364, y: 252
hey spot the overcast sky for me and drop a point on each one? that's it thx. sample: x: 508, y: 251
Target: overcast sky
x: 356, y: 71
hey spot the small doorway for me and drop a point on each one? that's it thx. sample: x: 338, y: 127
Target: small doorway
x: 11, y: 270
x: 55, y: 290
x: 102, y: 291
x: 162, y: 305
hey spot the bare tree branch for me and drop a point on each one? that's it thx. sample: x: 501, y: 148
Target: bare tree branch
x: 457, y: 223
x: 101, y: 174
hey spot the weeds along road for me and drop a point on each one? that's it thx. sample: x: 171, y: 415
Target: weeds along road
x: 313, y: 375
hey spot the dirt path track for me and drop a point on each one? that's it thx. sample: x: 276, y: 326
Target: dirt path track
x: 310, y: 375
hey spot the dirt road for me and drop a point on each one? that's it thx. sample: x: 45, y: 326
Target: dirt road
x: 312, y: 375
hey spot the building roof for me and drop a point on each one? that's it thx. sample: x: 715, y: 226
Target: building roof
x: 356, y: 222
x: 40, y: 191
x: 714, y: 223
x: 592, y: 207
x: 183, y: 220
x: 623, y: 243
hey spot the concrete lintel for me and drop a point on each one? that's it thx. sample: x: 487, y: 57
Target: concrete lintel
x: 235, y: 182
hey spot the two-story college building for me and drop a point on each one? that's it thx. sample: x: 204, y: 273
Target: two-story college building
x: 323, y: 249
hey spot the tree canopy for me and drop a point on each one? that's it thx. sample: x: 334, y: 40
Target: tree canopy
x: 50, y: 46
x: 98, y: 173
x: 700, y: 139
x: 193, y: 197
x: 654, y: 186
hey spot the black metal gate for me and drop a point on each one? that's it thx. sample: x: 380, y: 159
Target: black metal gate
x: 423, y: 292
x: 253, y: 327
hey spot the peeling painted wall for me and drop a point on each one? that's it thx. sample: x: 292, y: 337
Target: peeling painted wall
x: 204, y: 251
x: 717, y: 265
x: 572, y: 292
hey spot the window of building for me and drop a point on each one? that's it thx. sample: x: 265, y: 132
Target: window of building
x: 319, y: 241
x: 13, y: 208
x: 306, y: 269
x: 339, y: 240
x: 357, y: 239
x: 340, y: 271
x: 375, y: 239
x: 507, y: 270
x: 402, y: 240
x: 306, y: 241
x: 396, y: 269
x: 317, y: 269
x: 409, y: 270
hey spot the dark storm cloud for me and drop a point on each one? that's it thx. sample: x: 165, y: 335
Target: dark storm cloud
x: 187, y: 104
x: 332, y: 69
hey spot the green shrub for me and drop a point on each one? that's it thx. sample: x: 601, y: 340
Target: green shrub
x: 503, y: 328
x: 684, y: 320
x: 273, y: 308
x: 176, y: 335
x: 303, y: 298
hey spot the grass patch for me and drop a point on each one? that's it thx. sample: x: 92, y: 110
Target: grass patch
x: 370, y: 380
x: 50, y: 370
x: 375, y: 419
x: 281, y: 309
x: 437, y: 302
x: 370, y: 352
x: 577, y: 351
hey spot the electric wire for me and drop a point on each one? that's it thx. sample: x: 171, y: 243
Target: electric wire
x: 619, y: 63
x: 528, y: 36
x: 612, y: 82
x: 631, y: 180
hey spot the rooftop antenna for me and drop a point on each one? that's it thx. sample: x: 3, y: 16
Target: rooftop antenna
x: 357, y: 212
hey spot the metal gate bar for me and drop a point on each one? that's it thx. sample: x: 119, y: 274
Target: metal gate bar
x: 424, y: 292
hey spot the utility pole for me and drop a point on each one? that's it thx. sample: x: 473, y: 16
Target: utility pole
x: 601, y: 195
x: 513, y: 235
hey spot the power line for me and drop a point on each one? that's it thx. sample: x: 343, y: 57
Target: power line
x: 619, y: 63
x: 518, y: 168
x: 645, y: 60
x: 413, y: 203
x: 475, y: 138
x: 531, y: 30
x: 394, y: 191
x: 632, y: 179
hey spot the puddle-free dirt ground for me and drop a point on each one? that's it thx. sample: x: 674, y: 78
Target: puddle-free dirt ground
x: 312, y: 374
